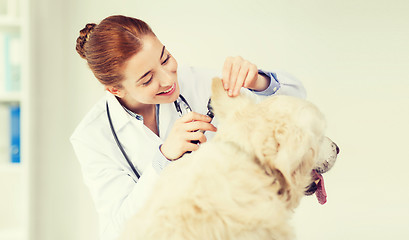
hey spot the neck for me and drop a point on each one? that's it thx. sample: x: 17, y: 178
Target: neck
x: 147, y: 111
x: 138, y: 108
x: 278, y: 183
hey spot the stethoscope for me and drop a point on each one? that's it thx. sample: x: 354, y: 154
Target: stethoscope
x: 182, y: 107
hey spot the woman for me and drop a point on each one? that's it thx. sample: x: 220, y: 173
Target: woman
x: 143, y: 85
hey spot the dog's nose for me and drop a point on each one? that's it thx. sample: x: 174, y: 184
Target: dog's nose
x: 336, y: 147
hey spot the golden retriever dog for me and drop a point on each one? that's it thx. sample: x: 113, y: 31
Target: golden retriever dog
x: 244, y: 183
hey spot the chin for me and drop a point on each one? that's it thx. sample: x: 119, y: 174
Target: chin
x: 175, y: 95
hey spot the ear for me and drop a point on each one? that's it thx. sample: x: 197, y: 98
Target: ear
x: 288, y: 158
x: 119, y: 92
x: 222, y: 103
x: 285, y: 145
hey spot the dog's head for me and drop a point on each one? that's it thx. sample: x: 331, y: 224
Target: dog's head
x: 285, y: 134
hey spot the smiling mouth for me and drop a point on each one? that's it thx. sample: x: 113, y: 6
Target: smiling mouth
x: 170, y: 90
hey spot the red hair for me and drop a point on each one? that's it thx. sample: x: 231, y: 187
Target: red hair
x: 108, y: 45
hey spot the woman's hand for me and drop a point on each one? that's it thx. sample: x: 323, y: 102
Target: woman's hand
x: 185, y: 130
x: 238, y: 72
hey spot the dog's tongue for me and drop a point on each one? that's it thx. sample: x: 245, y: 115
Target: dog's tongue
x: 320, y: 193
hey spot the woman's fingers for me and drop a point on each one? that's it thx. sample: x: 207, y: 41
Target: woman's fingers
x: 194, y: 122
x: 226, y: 72
x: 241, y: 77
x: 197, y: 136
x: 199, y: 125
x: 237, y: 73
x: 194, y: 116
x: 191, y: 147
x: 252, y: 76
x: 236, y: 67
x: 186, y: 135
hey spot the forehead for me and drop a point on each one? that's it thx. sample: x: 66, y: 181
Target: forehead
x: 145, y: 60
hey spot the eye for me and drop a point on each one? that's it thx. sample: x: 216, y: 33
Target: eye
x: 147, y: 82
x: 167, y: 59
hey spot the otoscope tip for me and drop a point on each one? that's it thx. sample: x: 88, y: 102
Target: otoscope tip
x: 210, y: 112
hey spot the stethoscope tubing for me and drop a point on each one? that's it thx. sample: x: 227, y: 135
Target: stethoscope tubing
x: 120, y: 145
x: 135, y: 171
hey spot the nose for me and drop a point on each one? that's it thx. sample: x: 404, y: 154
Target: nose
x: 166, y: 78
x: 336, y: 147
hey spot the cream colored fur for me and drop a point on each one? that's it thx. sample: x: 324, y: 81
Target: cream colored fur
x: 245, y: 182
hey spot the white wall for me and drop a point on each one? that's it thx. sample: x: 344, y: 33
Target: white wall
x: 352, y: 56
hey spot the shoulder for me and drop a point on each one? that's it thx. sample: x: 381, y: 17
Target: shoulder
x: 198, y: 73
x: 93, y: 123
x: 196, y: 80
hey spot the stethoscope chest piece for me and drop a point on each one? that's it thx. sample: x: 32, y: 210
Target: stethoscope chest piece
x: 182, y: 106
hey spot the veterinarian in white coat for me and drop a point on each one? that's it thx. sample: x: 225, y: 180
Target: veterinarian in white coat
x: 143, y: 81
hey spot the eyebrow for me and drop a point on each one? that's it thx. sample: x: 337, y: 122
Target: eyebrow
x: 163, y: 50
x: 161, y: 55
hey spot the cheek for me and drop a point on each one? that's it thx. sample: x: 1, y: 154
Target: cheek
x: 173, y: 65
x: 143, y: 94
x: 149, y: 92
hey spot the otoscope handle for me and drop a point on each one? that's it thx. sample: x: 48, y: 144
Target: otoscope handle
x: 210, y: 114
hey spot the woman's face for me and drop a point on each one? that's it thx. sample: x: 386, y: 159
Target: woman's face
x: 150, y: 76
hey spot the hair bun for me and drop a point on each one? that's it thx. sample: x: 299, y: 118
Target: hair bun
x: 83, y: 38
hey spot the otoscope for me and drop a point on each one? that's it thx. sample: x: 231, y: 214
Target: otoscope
x: 209, y: 113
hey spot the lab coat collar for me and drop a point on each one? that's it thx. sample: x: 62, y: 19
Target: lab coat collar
x: 165, y: 118
x: 118, y: 114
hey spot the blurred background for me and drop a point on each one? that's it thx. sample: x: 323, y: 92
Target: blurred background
x: 352, y: 57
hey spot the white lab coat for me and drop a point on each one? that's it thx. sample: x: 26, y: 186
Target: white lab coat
x: 116, y: 192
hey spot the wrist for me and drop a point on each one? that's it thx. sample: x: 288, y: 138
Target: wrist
x: 262, y: 82
x: 164, y: 152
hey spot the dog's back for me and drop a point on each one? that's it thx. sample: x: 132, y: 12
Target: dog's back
x: 219, y: 193
x: 245, y: 182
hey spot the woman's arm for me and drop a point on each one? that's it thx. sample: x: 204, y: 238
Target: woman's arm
x: 238, y: 72
x: 282, y: 83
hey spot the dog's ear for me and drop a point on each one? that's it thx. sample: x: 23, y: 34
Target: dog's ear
x: 224, y: 105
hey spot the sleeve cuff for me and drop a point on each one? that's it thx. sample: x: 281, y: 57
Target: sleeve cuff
x: 159, y: 161
x: 272, y: 88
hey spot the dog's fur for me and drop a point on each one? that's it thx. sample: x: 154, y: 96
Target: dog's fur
x: 245, y: 182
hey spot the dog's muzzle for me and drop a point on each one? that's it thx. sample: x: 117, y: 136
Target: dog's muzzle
x: 326, y: 160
